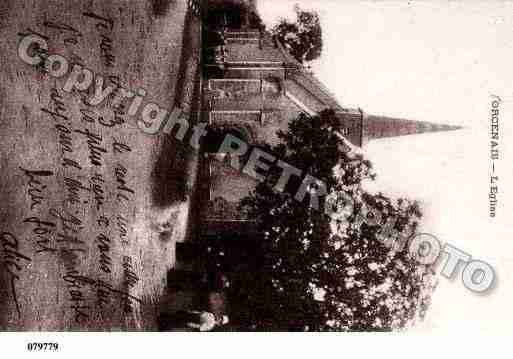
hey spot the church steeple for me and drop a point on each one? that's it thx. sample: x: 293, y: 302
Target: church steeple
x: 382, y: 127
x: 359, y: 127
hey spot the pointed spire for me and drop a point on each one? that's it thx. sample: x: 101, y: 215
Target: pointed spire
x: 382, y: 126
x: 359, y: 127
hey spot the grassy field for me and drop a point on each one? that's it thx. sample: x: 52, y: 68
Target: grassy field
x: 152, y: 46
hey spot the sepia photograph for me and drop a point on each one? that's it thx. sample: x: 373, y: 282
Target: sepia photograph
x: 248, y: 166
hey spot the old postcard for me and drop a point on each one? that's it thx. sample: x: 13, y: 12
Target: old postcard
x: 255, y: 166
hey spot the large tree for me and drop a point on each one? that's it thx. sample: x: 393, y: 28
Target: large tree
x: 343, y: 268
x: 303, y: 38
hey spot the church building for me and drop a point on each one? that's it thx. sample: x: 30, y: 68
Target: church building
x: 252, y: 87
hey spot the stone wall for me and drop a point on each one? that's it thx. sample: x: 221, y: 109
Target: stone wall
x: 251, y: 51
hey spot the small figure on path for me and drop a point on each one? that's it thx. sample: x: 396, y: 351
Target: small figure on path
x: 199, y: 320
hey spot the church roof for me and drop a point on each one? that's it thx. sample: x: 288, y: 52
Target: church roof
x: 307, y: 79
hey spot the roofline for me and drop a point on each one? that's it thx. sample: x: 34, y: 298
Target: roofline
x: 310, y: 77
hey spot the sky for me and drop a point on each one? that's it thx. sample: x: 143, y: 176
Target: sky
x: 438, y: 62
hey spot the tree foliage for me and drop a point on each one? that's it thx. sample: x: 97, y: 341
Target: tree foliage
x: 333, y: 271
x: 303, y: 38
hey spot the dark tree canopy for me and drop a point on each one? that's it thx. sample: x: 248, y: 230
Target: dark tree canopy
x: 332, y: 272
x: 303, y: 38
